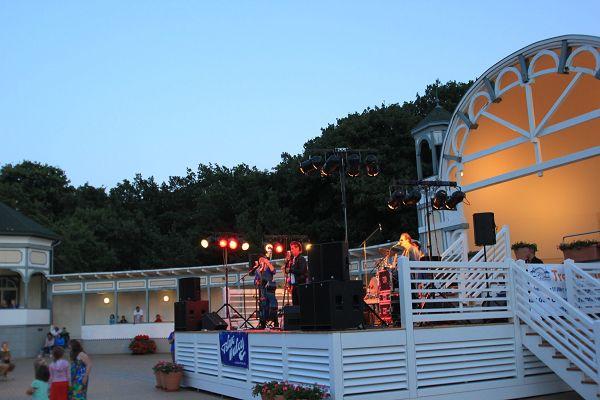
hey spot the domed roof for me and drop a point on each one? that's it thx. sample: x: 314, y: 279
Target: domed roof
x: 438, y: 116
x: 13, y: 223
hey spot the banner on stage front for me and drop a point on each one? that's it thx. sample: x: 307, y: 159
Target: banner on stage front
x: 234, y: 349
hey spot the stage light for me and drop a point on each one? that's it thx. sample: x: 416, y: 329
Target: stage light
x: 204, y: 243
x: 439, y: 200
x: 371, y: 164
x: 353, y: 168
x: 307, y: 246
x: 222, y: 243
x: 396, y: 199
x: 313, y: 164
x: 412, y: 198
x: 278, y: 247
x: 165, y: 298
x: 331, y: 165
x: 233, y: 244
x: 106, y: 300
x: 455, y: 199
x: 245, y: 246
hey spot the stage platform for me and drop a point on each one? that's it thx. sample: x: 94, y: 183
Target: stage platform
x: 442, y: 362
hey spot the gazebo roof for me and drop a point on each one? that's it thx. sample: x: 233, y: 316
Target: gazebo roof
x: 437, y: 116
x: 13, y: 223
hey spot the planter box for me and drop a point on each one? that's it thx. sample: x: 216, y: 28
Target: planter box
x: 584, y: 254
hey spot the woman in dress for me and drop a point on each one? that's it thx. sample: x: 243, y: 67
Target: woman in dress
x: 81, y: 365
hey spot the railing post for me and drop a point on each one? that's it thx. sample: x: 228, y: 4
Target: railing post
x: 464, y: 247
x: 570, y: 283
x: 596, y: 327
x: 406, y: 318
x: 512, y: 298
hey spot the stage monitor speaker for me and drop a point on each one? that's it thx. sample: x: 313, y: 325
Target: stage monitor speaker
x: 485, y: 229
x: 329, y: 261
x: 336, y: 305
x: 213, y: 322
x: 189, y: 289
x: 188, y: 314
x: 291, y: 318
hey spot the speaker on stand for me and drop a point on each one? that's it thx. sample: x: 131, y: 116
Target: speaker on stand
x: 189, y: 289
x: 485, y: 230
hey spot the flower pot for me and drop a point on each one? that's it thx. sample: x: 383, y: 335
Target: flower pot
x: 583, y: 254
x: 171, y: 381
x: 158, y: 376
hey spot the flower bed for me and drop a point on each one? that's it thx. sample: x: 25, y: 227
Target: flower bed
x: 142, y: 344
x: 275, y: 390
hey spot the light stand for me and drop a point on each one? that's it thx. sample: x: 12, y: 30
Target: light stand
x: 364, y: 246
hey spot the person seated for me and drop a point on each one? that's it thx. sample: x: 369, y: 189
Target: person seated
x: 6, y: 364
x: 66, y: 336
x: 123, y: 320
x: 112, y: 319
x: 158, y: 318
x: 59, y: 341
x: 48, y: 344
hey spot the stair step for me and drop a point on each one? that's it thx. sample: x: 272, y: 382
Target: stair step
x: 559, y: 356
x: 545, y: 344
x: 531, y: 334
x: 573, y: 368
x: 588, y: 381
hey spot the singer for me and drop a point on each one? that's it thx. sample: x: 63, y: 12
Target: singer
x: 296, y: 265
x: 264, y: 280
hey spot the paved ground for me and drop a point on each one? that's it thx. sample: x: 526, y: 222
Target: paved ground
x: 126, y: 377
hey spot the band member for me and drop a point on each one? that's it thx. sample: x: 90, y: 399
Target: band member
x: 410, y: 249
x: 297, y: 267
x: 264, y: 280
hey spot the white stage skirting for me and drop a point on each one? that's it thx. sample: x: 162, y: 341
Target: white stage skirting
x: 466, y: 362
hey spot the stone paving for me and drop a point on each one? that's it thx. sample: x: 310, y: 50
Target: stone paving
x: 126, y: 377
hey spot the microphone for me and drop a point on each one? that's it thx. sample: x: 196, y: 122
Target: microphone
x: 380, y: 229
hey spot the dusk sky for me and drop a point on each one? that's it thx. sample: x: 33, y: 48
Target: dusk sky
x: 105, y: 90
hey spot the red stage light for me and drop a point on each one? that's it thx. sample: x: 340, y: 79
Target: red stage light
x: 233, y: 244
x: 278, y: 247
x: 222, y: 243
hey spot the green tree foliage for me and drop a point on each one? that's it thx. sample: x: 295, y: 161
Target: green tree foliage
x: 143, y: 224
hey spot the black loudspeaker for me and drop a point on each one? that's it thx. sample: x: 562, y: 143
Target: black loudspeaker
x: 291, y: 318
x: 189, y: 289
x: 331, y: 305
x: 213, y: 322
x: 485, y: 229
x: 327, y: 261
x: 188, y: 314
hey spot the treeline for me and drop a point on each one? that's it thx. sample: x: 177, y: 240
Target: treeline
x: 141, y: 223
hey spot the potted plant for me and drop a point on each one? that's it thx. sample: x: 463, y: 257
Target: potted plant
x: 275, y: 390
x: 581, y: 250
x: 157, y: 369
x: 142, y: 344
x: 170, y: 375
x: 522, y: 249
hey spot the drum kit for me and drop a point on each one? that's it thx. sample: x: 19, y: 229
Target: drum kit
x: 382, y: 292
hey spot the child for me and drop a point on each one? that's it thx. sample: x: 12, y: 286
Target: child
x: 6, y: 364
x: 39, y: 386
x: 60, y: 375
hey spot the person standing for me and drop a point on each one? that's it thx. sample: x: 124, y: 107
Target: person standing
x: 81, y: 366
x: 410, y: 249
x: 6, y: 364
x: 298, y: 269
x: 171, y: 340
x: 138, y: 315
x: 264, y: 279
x: 39, y: 386
x: 59, y: 375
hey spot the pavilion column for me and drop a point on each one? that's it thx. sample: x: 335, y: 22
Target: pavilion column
x: 434, y: 158
x: 419, y: 168
x: 26, y: 291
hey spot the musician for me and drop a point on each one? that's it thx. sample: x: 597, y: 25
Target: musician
x: 264, y: 280
x: 297, y: 267
x: 410, y: 248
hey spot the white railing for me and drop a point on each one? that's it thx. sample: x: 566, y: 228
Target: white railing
x: 583, y: 290
x: 497, y: 252
x: 24, y: 316
x: 569, y: 330
x: 436, y: 291
x: 457, y: 251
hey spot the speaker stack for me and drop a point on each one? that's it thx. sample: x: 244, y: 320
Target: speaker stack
x: 190, y: 309
x: 331, y: 300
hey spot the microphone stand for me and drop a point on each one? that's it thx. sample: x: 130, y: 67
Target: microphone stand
x: 364, y: 246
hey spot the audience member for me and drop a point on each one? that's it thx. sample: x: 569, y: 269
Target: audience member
x: 123, y: 320
x: 81, y: 366
x: 138, y: 315
x: 48, y: 344
x: 171, y: 340
x: 60, y: 375
x: 6, y: 364
x: 158, y: 318
x: 112, y: 319
x: 39, y: 386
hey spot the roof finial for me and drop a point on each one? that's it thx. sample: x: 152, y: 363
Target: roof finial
x: 437, y: 99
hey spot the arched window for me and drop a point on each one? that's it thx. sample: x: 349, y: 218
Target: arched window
x: 9, y: 291
x: 426, y: 159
